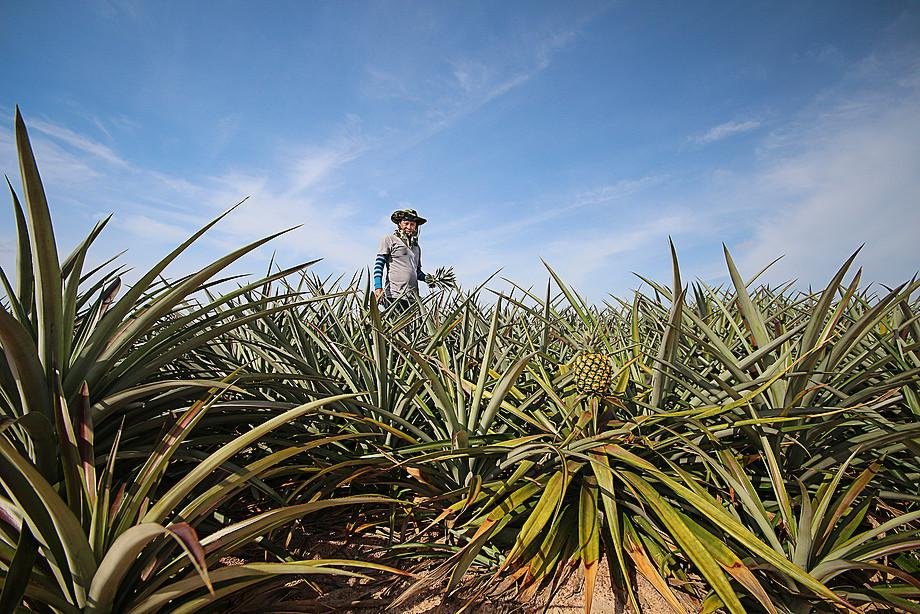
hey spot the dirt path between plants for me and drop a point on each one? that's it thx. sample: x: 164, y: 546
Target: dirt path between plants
x: 569, y: 599
x: 337, y: 594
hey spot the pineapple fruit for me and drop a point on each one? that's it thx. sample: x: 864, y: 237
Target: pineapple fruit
x: 592, y: 369
x: 593, y: 372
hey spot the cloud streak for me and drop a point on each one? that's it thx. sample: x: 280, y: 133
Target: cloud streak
x: 724, y: 131
x: 79, y: 142
x: 849, y: 182
x: 154, y: 208
x: 575, y: 204
x: 473, y: 81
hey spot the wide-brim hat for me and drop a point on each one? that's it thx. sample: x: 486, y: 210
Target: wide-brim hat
x: 407, y: 214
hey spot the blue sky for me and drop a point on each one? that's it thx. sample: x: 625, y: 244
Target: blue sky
x: 583, y: 133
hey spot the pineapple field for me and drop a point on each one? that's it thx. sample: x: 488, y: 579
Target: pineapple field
x: 207, y: 443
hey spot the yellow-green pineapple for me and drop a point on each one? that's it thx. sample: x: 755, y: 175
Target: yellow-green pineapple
x: 592, y: 370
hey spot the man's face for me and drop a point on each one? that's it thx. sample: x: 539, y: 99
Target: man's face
x: 408, y: 226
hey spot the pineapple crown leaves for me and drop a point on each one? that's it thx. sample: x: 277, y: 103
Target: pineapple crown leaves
x: 588, y: 340
x: 442, y: 278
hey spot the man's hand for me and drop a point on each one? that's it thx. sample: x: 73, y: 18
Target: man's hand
x: 378, y: 292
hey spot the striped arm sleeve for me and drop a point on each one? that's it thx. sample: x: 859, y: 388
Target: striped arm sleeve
x: 378, y: 271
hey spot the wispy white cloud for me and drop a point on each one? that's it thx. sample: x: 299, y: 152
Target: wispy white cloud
x: 54, y: 161
x: 114, y: 9
x: 226, y: 128
x: 318, y: 164
x: 587, y: 254
x: 330, y: 229
x: 86, y: 180
x: 724, y: 131
x: 152, y: 229
x: 472, y: 80
x: 842, y: 171
x: 587, y: 236
x: 478, y: 82
x: 310, y: 166
x: 470, y: 76
x: 607, y: 193
x: 562, y: 207
x: 79, y: 142
x: 848, y: 183
x: 388, y: 84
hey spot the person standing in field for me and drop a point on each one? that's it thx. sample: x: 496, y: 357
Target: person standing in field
x: 398, y: 267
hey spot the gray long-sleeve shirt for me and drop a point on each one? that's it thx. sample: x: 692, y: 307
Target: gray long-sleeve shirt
x: 403, y: 267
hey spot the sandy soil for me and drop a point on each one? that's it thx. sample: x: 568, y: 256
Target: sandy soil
x: 367, y: 599
x: 324, y: 594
